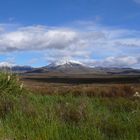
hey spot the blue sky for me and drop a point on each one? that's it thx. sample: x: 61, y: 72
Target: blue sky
x: 94, y: 32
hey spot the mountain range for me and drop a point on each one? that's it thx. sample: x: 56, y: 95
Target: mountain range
x: 16, y: 68
x: 71, y: 68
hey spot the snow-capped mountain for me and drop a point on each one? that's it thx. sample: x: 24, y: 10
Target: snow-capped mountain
x: 67, y: 67
x: 74, y: 67
x: 64, y: 62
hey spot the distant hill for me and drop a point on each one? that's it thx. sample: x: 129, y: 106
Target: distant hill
x: 16, y: 69
x: 119, y: 71
x: 74, y: 68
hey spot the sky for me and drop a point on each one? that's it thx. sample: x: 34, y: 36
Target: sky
x: 95, y: 32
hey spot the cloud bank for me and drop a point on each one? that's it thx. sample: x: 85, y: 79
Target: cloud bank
x: 89, y: 43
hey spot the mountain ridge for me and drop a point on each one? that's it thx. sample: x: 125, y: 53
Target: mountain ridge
x: 70, y: 67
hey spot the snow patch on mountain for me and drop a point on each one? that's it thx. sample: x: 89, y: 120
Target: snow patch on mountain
x: 65, y: 62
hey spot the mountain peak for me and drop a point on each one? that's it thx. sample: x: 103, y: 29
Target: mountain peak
x: 64, y: 63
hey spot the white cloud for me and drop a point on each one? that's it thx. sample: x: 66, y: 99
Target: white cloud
x: 128, y: 42
x: 1, y: 29
x: 137, y: 1
x: 43, y: 37
x: 83, y: 43
x: 119, y: 61
x: 6, y: 64
x: 36, y: 38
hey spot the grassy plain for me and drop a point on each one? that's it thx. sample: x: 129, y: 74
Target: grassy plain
x: 42, y: 111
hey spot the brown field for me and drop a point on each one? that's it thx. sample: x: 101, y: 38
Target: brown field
x: 122, y: 86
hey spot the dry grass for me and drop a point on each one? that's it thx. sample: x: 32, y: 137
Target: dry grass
x: 90, y: 90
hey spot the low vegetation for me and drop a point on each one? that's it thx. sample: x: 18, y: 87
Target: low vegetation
x: 25, y: 115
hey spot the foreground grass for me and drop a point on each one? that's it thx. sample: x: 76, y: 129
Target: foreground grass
x: 26, y: 116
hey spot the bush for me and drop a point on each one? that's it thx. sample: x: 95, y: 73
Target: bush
x: 9, y: 84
